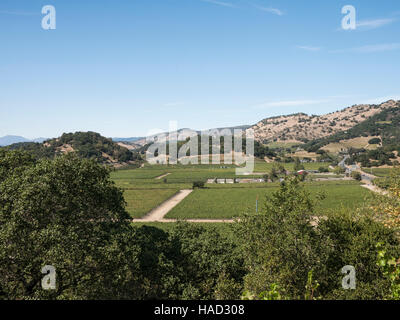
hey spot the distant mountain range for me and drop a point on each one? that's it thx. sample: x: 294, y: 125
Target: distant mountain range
x: 132, y: 139
x: 182, y: 134
x: 8, y: 140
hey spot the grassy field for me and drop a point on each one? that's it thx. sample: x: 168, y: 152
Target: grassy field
x: 304, y: 154
x: 143, y: 192
x: 140, y: 202
x: 361, y: 142
x: 379, y: 172
x: 140, y: 173
x: 176, y: 175
x: 229, y: 203
x: 262, y: 166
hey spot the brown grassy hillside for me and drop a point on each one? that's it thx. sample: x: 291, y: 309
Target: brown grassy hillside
x: 301, y: 127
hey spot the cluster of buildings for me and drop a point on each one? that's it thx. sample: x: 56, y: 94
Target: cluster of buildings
x: 236, y: 180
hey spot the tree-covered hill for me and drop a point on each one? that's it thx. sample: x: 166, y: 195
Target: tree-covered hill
x: 87, y: 145
x: 385, y: 124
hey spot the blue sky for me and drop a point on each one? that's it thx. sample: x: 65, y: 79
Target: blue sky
x: 122, y: 68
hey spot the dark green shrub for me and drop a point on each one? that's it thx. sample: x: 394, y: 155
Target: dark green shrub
x: 356, y: 175
x: 374, y: 141
x: 198, y: 184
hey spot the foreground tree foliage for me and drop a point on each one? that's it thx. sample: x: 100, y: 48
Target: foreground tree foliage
x: 210, y: 263
x: 386, y: 205
x: 67, y: 213
x: 283, y: 244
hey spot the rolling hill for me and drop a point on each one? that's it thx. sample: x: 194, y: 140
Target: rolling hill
x: 384, y: 125
x: 352, y: 127
x: 90, y: 145
x: 182, y: 134
x: 301, y: 127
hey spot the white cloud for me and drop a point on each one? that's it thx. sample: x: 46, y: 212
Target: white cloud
x: 271, y: 10
x: 371, y: 48
x: 220, y: 3
x: 309, y: 48
x: 373, y: 24
x: 364, y: 25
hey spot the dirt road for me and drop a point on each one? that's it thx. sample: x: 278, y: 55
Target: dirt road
x: 157, y: 214
x: 163, y: 176
x: 374, y: 188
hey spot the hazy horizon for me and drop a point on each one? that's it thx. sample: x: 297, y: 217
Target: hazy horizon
x: 166, y: 129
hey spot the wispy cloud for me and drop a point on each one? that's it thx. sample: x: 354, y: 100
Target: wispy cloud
x: 371, y: 48
x: 220, y: 3
x: 289, y: 103
x: 18, y: 13
x: 271, y: 10
x: 309, y: 48
x: 364, y: 25
x: 373, y: 24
